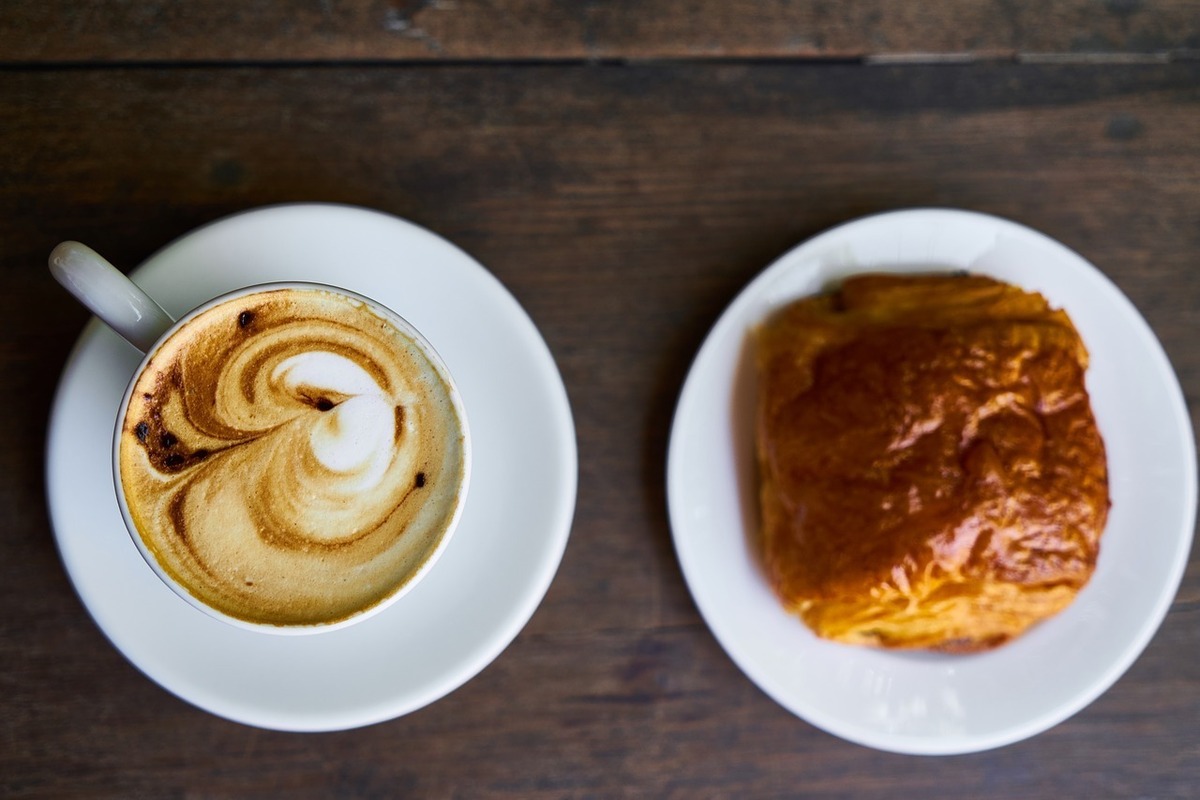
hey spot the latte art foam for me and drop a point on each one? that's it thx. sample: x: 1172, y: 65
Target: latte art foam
x: 290, y: 457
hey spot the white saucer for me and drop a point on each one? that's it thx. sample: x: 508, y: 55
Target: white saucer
x: 493, y: 573
x: 931, y: 704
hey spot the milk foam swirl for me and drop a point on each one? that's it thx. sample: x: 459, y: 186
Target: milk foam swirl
x: 290, y: 457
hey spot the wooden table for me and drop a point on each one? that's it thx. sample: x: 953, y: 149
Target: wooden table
x: 624, y: 168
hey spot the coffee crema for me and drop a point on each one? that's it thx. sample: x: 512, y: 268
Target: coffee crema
x: 290, y: 457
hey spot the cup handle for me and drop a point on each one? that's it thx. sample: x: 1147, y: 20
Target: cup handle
x: 116, y: 300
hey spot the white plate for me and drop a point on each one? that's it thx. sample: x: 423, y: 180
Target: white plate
x: 925, y: 703
x: 496, y: 568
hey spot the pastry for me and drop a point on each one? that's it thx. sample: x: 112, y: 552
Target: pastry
x: 932, y: 475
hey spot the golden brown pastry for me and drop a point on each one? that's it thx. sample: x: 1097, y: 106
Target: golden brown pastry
x: 931, y: 472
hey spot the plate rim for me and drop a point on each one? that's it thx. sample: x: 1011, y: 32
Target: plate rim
x: 731, y: 316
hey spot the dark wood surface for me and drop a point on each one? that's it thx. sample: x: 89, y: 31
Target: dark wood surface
x: 158, y: 30
x: 624, y: 204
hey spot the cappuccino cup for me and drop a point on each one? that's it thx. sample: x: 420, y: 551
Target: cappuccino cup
x: 288, y: 457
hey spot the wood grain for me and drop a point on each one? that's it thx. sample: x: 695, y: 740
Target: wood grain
x: 624, y: 206
x: 163, y: 30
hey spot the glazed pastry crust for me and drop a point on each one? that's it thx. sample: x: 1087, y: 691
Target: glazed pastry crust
x: 931, y: 472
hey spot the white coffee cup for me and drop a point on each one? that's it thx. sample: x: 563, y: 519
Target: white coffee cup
x: 123, y: 306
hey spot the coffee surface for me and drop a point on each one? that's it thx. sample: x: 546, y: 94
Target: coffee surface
x: 291, y: 457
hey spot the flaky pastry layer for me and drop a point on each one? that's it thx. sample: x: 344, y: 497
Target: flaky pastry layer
x: 931, y: 471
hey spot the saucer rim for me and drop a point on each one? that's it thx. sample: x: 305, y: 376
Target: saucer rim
x: 543, y: 562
